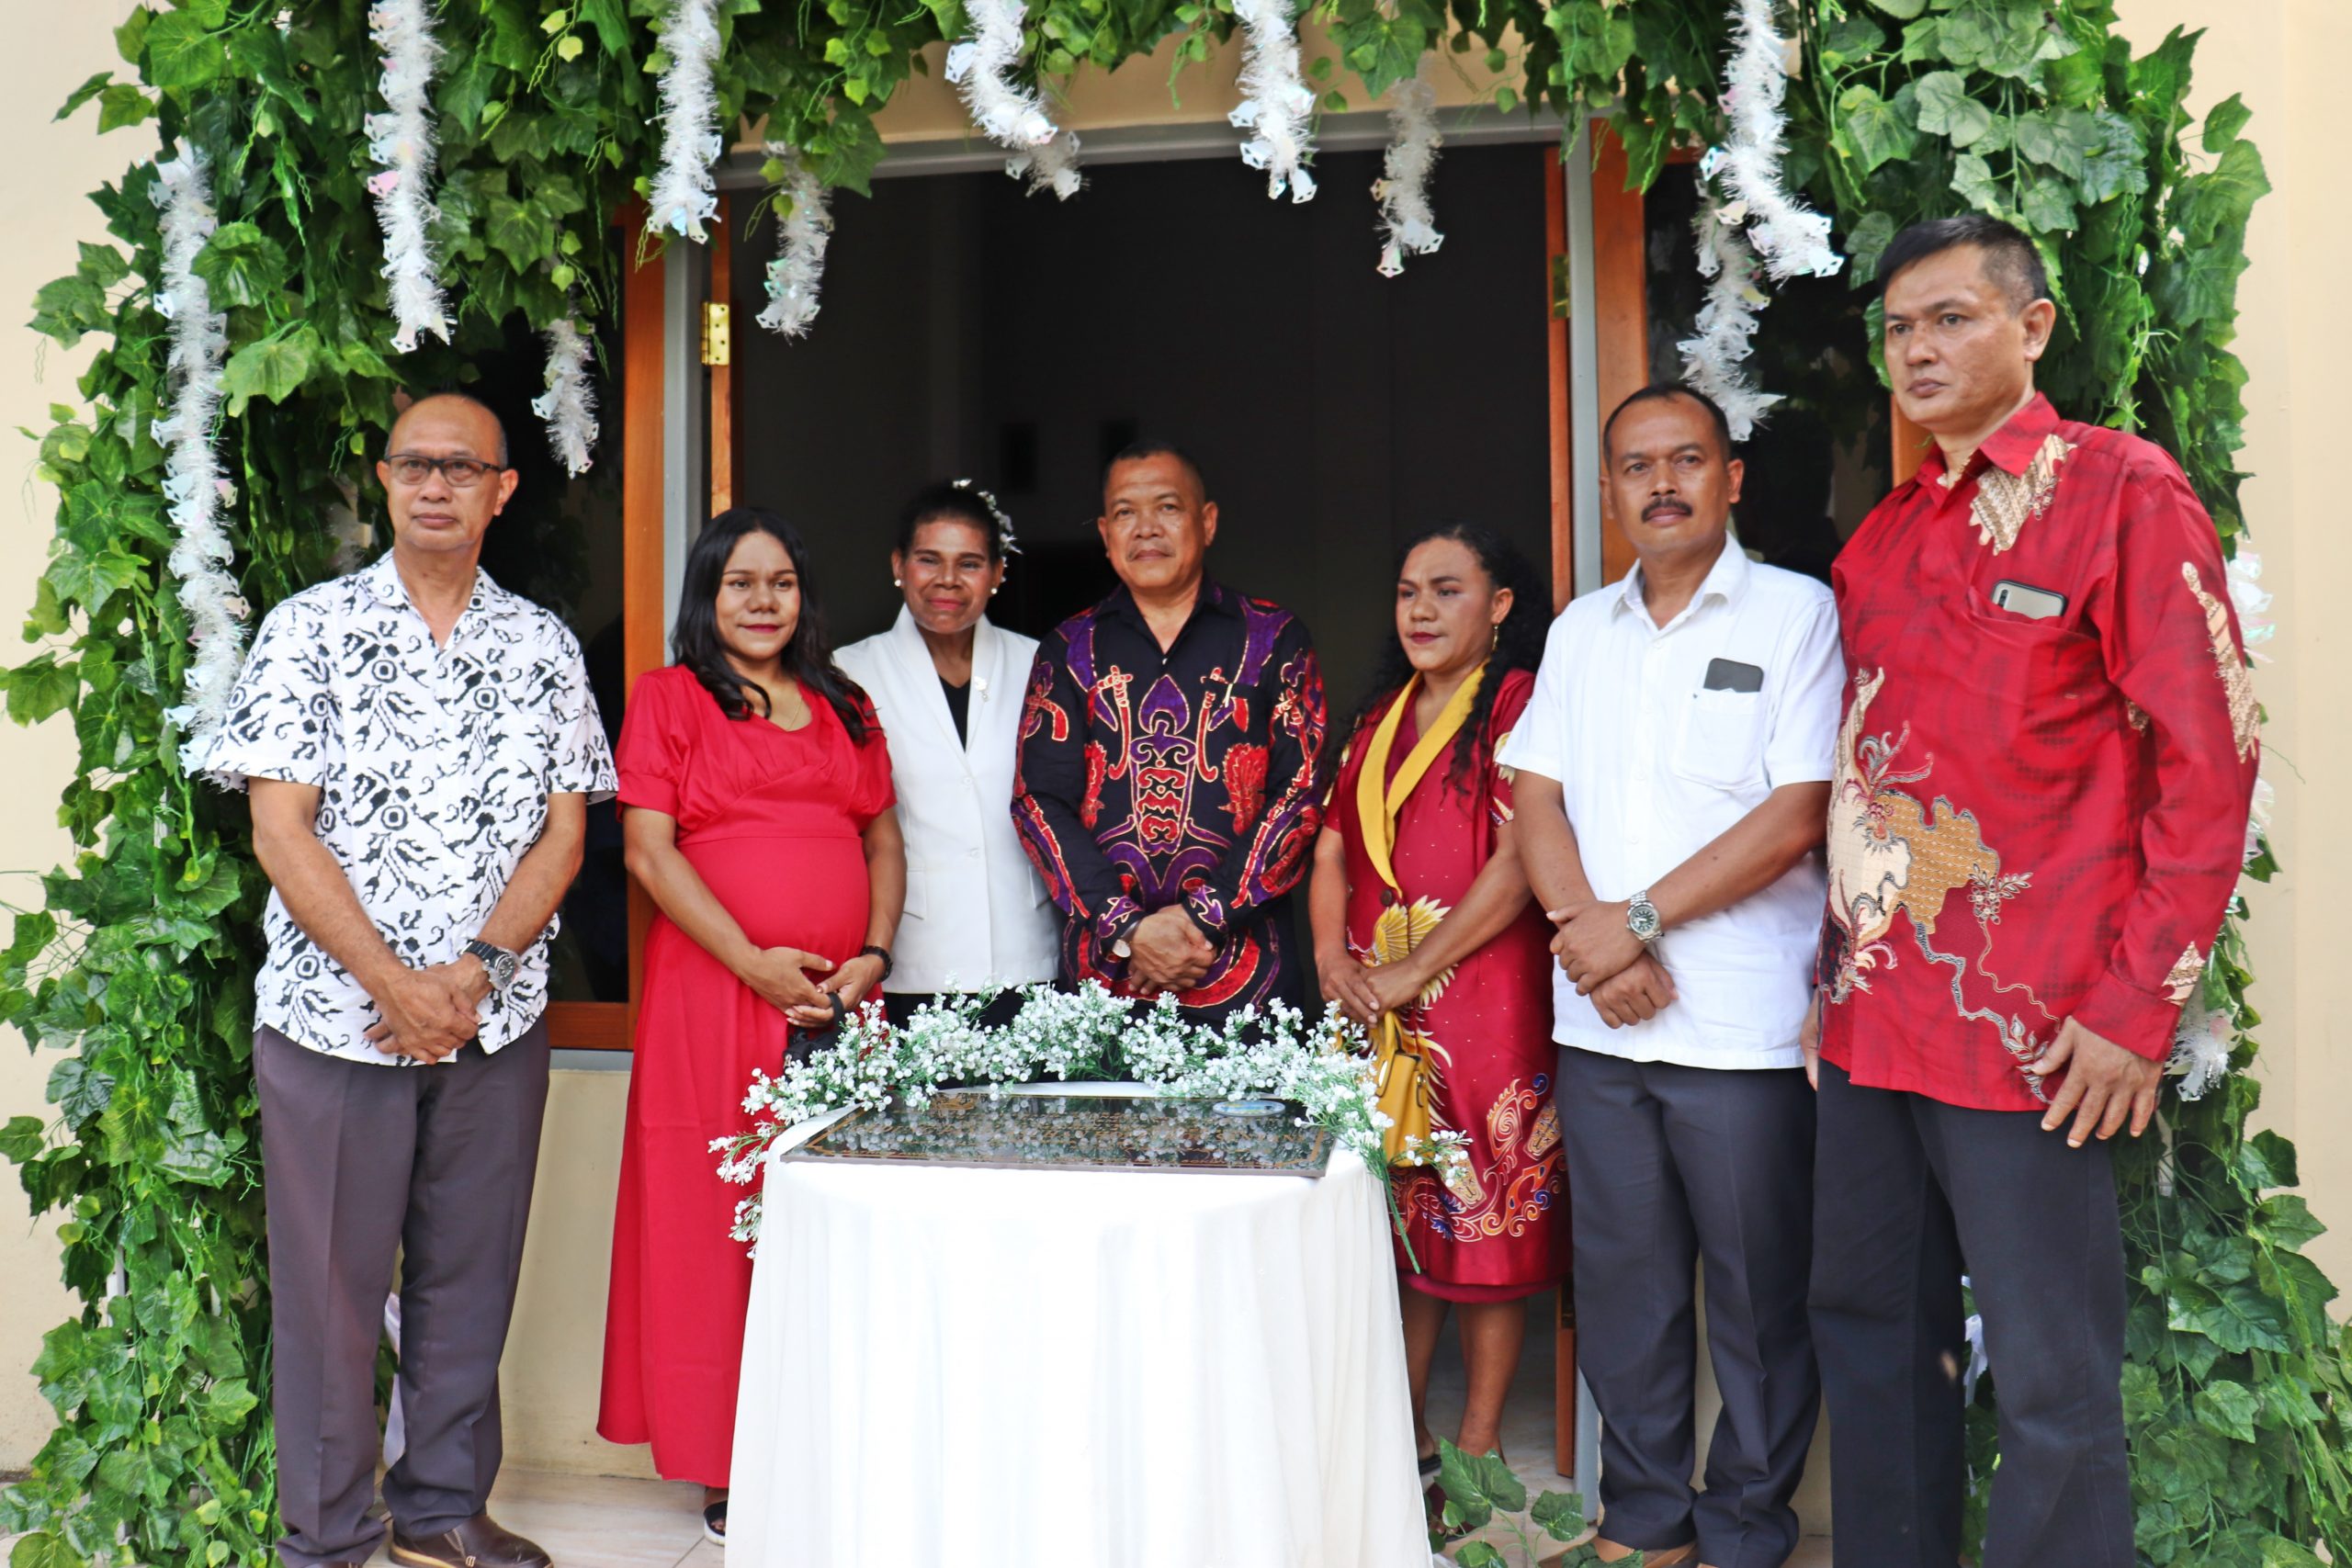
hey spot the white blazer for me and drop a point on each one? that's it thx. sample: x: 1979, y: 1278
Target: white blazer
x: 976, y: 909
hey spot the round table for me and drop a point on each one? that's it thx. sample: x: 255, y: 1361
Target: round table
x: 1073, y: 1368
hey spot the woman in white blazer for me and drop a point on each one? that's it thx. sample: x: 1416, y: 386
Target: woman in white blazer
x: 948, y: 685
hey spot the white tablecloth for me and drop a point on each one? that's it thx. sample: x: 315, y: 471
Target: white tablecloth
x: 1044, y: 1368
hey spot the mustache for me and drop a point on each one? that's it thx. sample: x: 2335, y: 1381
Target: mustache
x: 1666, y: 505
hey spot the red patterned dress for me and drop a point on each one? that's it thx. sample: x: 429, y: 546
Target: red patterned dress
x: 1483, y: 1029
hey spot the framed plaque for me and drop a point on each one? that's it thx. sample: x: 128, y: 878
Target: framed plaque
x: 972, y: 1127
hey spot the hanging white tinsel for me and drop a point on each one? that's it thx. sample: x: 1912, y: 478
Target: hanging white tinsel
x: 683, y: 198
x: 568, y: 405
x: 1274, y: 103
x: 1714, y: 361
x: 802, y: 234
x: 400, y: 139
x: 981, y: 67
x: 1408, y: 226
x: 1749, y: 222
x: 1053, y: 166
x: 192, y: 480
x: 1792, y: 240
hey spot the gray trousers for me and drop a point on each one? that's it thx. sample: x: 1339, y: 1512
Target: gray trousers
x: 1913, y: 1192
x: 363, y: 1164
x: 1668, y: 1165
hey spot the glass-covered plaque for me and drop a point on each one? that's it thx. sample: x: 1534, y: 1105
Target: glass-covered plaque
x: 973, y: 1128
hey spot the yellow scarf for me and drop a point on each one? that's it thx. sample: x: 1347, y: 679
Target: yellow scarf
x: 1403, y: 1088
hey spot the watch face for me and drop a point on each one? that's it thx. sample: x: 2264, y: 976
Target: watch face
x: 1642, y: 920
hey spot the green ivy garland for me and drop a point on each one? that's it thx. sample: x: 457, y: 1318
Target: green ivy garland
x: 137, y: 973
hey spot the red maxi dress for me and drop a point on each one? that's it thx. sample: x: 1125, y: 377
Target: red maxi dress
x: 1483, y: 1030
x: 771, y: 819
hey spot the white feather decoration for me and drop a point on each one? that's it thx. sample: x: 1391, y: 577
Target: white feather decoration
x: 1053, y: 166
x: 568, y: 405
x: 802, y: 235
x: 682, y: 199
x: 981, y: 65
x: 1408, y: 226
x: 2200, y: 1048
x: 1792, y: 240
x: 400, y: 139
x: 1713, y: 361
x: 2252, y: 601
x: 1275, y: 103
x: 192, y: 480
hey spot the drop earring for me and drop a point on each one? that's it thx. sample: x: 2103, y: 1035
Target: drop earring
x: 1495, y: 639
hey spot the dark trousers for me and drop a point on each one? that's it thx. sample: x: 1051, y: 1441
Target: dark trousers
x: 1911, y: 1193
x: 1668, y: 1165
x: 363, y: 1164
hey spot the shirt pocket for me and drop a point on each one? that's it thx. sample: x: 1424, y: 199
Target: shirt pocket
x: 918, y: 904
x: 2033, y: 674
x: 1721, y: 743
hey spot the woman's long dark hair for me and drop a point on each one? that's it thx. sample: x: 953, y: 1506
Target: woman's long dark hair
x: 1520, y: 645
x: 807, y: 657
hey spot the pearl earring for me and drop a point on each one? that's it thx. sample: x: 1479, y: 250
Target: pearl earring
x: 898, y: 582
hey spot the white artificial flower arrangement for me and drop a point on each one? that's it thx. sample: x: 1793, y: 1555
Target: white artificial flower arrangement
x: 1089, y: 1034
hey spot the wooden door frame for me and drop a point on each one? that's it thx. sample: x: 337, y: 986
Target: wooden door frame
x: 611, y: 1026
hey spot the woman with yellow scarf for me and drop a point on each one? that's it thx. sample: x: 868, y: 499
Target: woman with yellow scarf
x: 1425, y: 933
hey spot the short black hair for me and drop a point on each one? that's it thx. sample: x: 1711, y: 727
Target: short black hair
x: 1659, y: 392
x: 949, y: 503
x: 1137, y: 451
x: 2010, y: 259
x: 463, y: 396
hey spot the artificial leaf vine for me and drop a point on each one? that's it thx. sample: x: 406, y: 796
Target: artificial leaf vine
x: 134, y: 979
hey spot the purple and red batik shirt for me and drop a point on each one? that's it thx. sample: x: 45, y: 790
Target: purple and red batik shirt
x: 1186, y: 776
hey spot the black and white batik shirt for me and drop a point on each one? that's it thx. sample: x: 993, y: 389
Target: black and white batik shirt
x: 434, y: 766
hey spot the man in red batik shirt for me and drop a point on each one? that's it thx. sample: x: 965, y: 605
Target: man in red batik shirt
x: 2037, y: 821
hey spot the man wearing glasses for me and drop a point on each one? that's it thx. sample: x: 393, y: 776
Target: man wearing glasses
x: 420, y: 747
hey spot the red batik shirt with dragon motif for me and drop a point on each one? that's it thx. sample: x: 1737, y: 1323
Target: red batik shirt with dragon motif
x: 2032, y: 818
x: 1183, y: 776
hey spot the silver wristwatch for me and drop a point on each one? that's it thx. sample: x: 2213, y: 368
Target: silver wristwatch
x: 1641, y: 917
x: 501, y: 963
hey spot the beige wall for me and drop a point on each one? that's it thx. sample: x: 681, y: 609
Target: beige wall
x: 2272, y: 51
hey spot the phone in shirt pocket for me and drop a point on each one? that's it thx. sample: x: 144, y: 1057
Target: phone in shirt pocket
x: 1722, y: 742
x: 2025, y: 599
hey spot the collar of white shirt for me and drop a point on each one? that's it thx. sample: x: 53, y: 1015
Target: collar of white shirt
x: 382, y: 580
x: 1727, y: 580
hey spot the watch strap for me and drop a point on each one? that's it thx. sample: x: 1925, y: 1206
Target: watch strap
x: 871, y: 950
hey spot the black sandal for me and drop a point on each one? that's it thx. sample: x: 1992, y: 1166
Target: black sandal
x: 714, y: 1522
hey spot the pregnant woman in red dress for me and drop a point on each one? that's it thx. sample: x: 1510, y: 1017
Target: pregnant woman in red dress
x: 755, y: 785
x: 1425, y: 930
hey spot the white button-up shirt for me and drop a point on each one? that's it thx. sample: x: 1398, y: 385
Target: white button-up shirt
x: 434, y: 766
x: 1653, y: 765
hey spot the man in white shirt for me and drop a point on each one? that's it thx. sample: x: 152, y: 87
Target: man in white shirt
x: 1673, y: 771
x: 420, y: 746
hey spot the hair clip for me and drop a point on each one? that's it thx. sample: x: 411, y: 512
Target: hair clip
x: 1004, y: 524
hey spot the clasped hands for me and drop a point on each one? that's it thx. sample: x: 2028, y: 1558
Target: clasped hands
x: 1608, y: 964
x: 1166, y: 952
x: 781, y: 975
x: 428, y: 1014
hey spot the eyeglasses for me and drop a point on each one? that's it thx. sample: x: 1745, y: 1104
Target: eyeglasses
x: 463, y: 473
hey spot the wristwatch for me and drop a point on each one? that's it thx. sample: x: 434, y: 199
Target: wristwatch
x: 501, y: 963
x: 871, y: 950
x: 1641, y: 917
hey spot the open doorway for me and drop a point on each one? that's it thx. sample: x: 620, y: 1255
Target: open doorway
x: 970, y: 330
